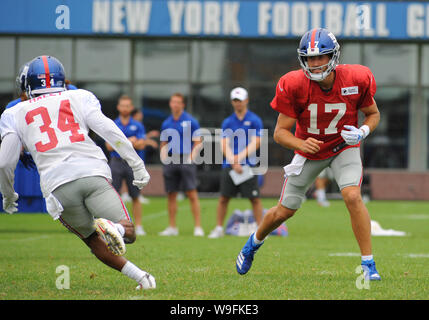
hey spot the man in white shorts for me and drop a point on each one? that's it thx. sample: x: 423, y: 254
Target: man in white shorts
x: 53, y: 126
x: 323, y: 100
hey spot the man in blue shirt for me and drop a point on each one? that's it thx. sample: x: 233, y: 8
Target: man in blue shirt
x: 240, y: 140
x: 179, y: 143
x: 135, y: 132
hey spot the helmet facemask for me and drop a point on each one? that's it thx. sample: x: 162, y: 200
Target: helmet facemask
x: 331, y: 65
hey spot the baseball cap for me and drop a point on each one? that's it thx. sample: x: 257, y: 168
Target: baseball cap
x: 239, y: 93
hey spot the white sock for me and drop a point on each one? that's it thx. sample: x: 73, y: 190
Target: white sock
x: 367, y: 258
x: 220, y: 228
x: 132, y: 271
x: 321, y: 195
x: 120, y: 228
x: 256, y: 240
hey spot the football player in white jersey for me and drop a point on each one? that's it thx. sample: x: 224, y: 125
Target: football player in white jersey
x: 75, y: 178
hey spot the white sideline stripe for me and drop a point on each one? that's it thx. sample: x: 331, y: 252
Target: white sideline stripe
x: 417, y: 216
x: 418, y: 255
x: 344, y: 254
x: 27, y: 239
x: 162, y: 213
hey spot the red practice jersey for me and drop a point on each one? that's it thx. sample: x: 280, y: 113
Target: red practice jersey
x: 322, y: 115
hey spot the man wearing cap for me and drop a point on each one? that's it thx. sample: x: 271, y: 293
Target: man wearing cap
x: 241, y: 133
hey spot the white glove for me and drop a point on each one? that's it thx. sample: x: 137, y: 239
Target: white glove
x: 10, y: 205
x: 141, y: 177
x: 354, y: 135
x: 147, y: 282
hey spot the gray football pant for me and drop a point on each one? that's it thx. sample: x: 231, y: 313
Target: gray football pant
x: 87, y: 198
x: 346, y: 167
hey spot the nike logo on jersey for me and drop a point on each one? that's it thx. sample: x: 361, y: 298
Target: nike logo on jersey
x: 349, y: 91
x: 281, y: 89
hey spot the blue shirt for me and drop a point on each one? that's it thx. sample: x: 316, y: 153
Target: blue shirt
x: 182, y: 130
x: 132, y: 129
x: 240, y: 133
x: 13, y: 103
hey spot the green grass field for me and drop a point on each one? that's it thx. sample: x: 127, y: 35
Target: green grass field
x: 316, y: 261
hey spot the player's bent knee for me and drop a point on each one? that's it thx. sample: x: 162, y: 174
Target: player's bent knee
x: 292, y: 202
x: 351, y: 195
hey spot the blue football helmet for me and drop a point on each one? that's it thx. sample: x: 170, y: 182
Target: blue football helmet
x: 22, y: 78
x: 45, y: 75
x: 318, y: 42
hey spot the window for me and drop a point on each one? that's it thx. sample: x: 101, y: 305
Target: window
x: 425, y: 66
x: 392, y: 64
x: 210, y: 104
x: 7, y: 61
x: 157, y: 60
x: 387, y: 146
x: 208, y: 61
x: 7, y: 89
x: 269, y: 61
x: 350, y: 53
x: 29, y: 48
x: 103, y: 59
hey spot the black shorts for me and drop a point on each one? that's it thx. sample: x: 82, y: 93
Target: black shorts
x: 248, y: 189
x: 122, y: 171
x: 179, y: 177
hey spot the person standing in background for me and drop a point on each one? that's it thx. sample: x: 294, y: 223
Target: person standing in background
x: 238, y: 156
x: 181, y: 172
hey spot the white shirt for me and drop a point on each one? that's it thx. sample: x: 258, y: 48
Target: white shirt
x: 54, y: 129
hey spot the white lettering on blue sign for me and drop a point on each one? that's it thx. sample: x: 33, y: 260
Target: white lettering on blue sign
x: 121, y: 16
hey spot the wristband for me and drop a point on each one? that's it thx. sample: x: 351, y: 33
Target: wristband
x: 365, y: 130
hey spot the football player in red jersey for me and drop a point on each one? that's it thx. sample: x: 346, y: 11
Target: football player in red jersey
x: 322, y: 100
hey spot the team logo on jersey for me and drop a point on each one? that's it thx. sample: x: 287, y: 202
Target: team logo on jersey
x: 349, y: 91
x: 247, y: 123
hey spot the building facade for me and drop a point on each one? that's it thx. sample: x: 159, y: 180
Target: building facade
x: 151, y: 49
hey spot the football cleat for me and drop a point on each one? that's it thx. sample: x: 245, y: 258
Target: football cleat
x: 147, y: 282
x: 111, y: 236
x: 245, y: 257
x: 369, y: 270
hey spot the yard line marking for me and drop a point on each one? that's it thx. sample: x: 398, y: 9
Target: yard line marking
x: 162, y: 213
x: 416, y: 216
x: 344, y: 254
x: 27, y: 239
x: 418, y: 255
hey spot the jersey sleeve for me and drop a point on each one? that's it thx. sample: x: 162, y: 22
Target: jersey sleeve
x: 368, y: 86
x: 283, y: 101
x: 90, y: 103
x: 7, y: 124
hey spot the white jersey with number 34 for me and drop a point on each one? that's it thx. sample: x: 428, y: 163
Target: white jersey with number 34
x: 54, y: 129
